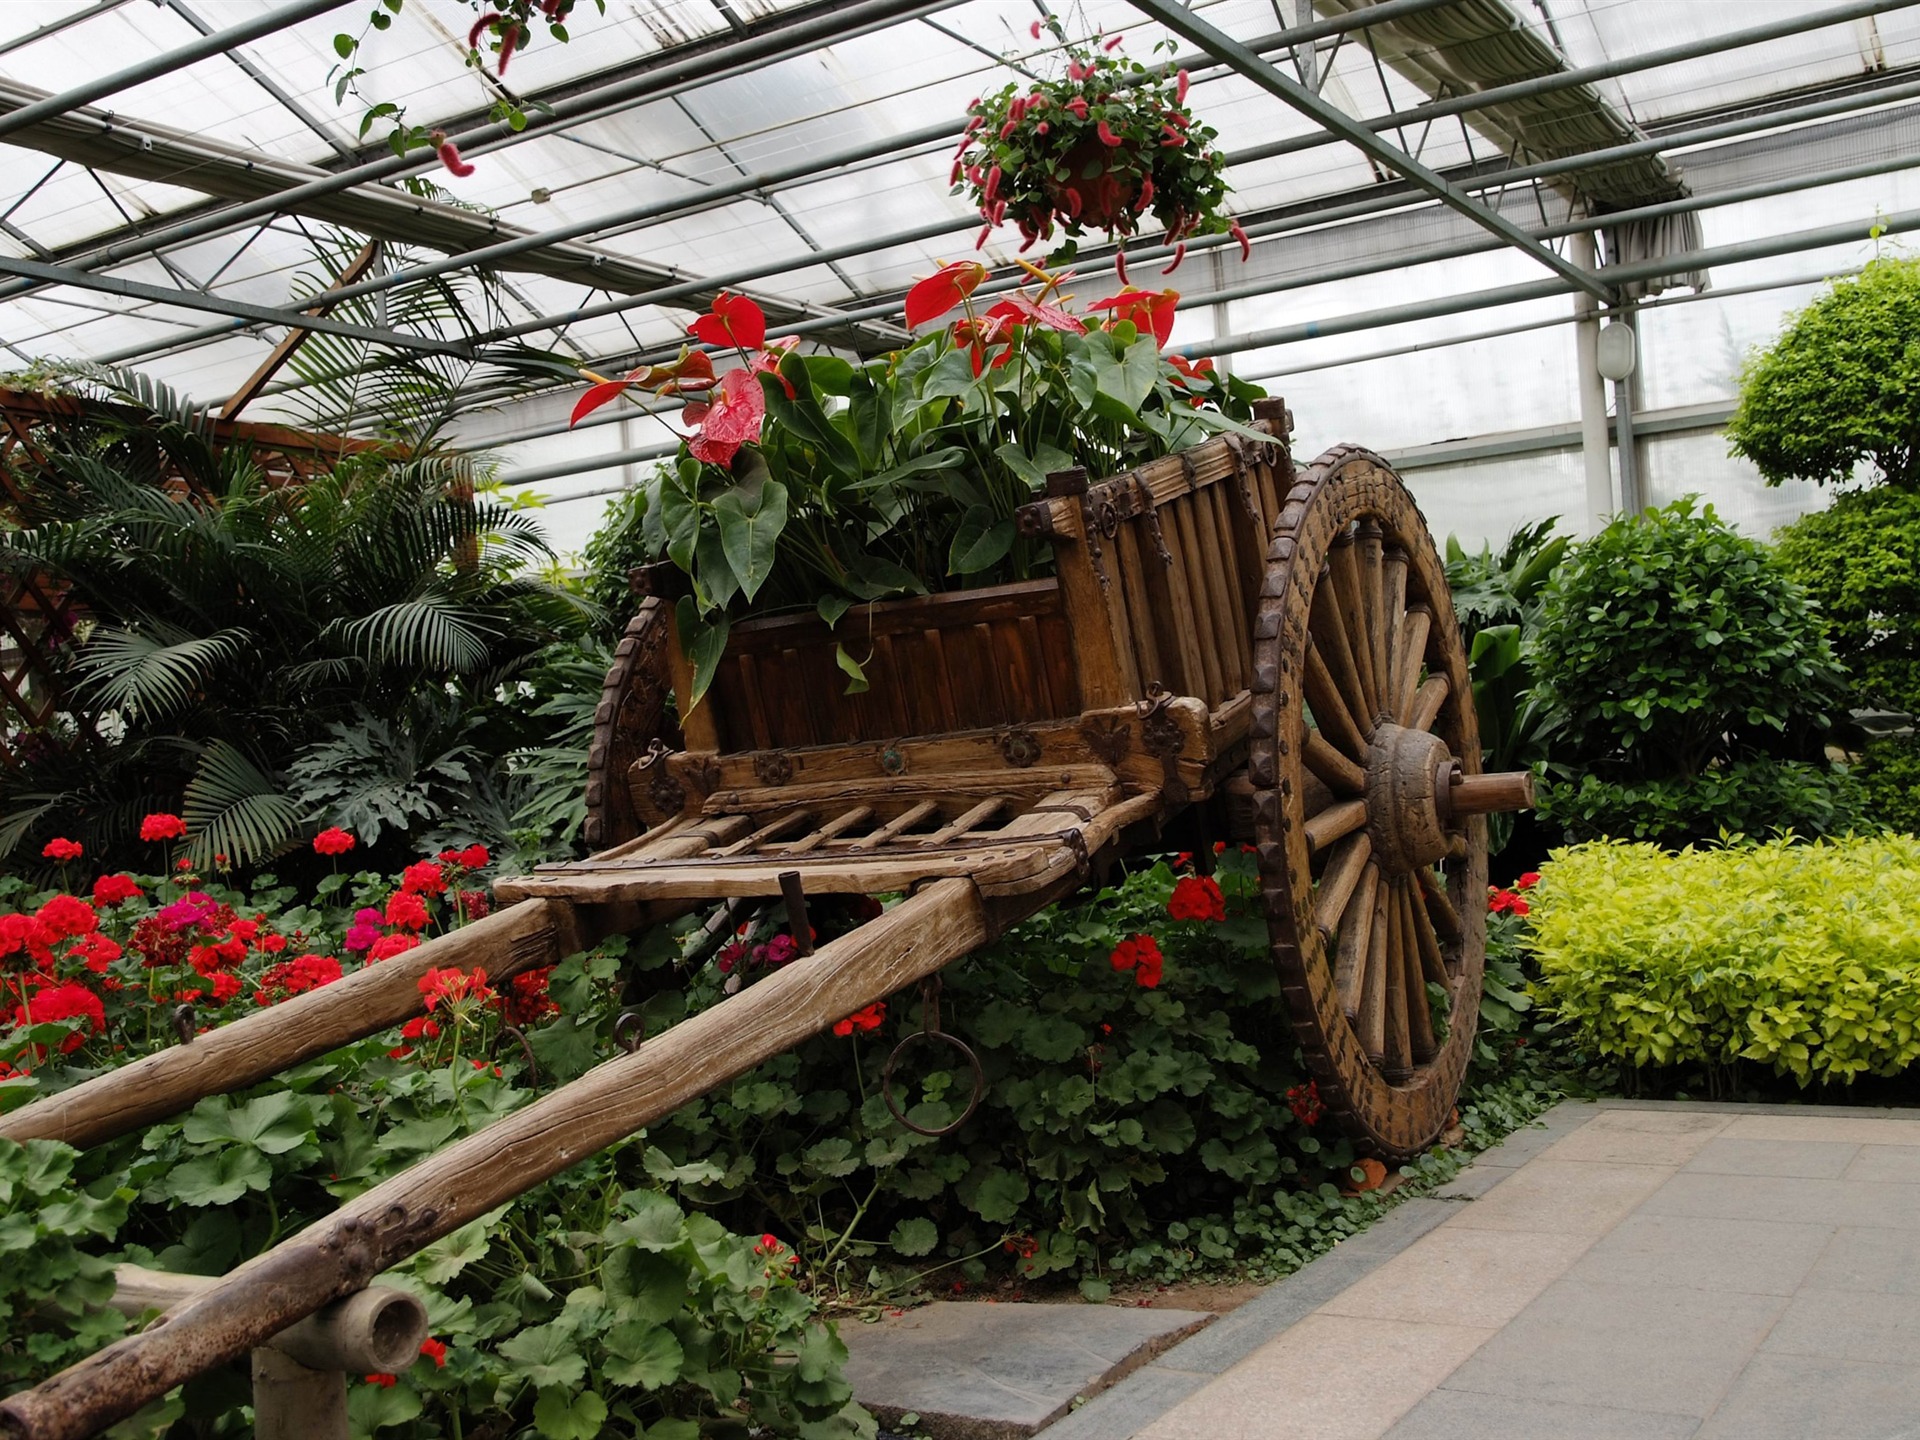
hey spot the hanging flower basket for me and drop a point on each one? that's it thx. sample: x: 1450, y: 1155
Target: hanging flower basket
x: 1100, y: 149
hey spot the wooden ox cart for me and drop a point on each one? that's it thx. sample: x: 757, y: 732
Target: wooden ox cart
x: 1267, y: 651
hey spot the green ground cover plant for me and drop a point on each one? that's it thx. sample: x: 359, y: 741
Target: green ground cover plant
x: 1146, y: 1119
x: 1692, y: 687
x: 1803, y: 959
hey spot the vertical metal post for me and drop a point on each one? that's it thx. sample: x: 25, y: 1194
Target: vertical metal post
x: 1594, y: 447
x: 1632, y: 493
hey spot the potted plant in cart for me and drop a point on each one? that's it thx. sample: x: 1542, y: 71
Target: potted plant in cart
x: 1101, y: 147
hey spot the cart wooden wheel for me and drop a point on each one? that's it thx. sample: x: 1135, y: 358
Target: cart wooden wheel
x: 1369, y: 805
x: 633, y: 713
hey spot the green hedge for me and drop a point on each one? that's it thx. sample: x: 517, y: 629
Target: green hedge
x: 1805, y: 958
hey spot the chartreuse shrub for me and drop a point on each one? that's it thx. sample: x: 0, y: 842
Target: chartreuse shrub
x: 1691, y: 684
x: 1804, y: 958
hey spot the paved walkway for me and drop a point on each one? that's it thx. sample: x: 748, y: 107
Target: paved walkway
x: 1627, y: 1272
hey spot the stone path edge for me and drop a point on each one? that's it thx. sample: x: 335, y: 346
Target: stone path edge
x: 1132, y: 1404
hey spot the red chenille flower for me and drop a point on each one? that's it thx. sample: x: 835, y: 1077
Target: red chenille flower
x: 735, y: 321
x: 1197, y: 897
x: 934, y: 296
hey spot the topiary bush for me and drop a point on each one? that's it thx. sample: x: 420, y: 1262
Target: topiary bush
x: 1802, y: 957
x: 1692, y: 686
x: 1840, y: 388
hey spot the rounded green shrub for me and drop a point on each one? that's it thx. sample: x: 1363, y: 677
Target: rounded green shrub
x: 1684, y: 668
x: 1859, y: 561
x: 1841, y: 386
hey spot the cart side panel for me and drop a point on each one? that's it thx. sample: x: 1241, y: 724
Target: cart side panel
x: 933, y: 664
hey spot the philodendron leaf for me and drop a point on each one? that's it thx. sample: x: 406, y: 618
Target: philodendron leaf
x: 750, y: 525
x: 979, y: 542
x: 856, y: 674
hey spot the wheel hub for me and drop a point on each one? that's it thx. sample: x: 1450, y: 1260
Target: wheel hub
x: 1409, y: 790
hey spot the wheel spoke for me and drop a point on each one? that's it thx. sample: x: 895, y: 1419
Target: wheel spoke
x: 1350, y: 959
x: 1407, y: 660
x: 1333, y: 822
x: 1329, y: 709
x: 1335, y: 770
x: 1378, y: 616
x: 1399, y: 1048
x: 1427, y: 702
x: 1439, y: 908
x: 1373, y: 988
x: 1330, y: 633
x: 1433, y: 965
x: 1413, y: 962
x: 1344, y: 868
x: 1351, y: 588
x: 1394, y: 582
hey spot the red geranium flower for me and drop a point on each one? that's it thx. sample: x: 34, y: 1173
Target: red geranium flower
x: 407, y: 910
x: 1306, y: 1104
x: 388, y: 946
x: 95, y: 951
x: 112, y: 889
x: 735, y: 321
x: 453, y: 984
x: 867, y: 1019
x: 61, y: 850
x: 333, y: 841
x: 65, y: 915
x: 1527, y: 881
x: 1197, y: 897
x: 934, y: 296
x: 162, y: 827
x: 423, y: 878
x: 434, y: 1350
x: 1142, y: 956
x: 70, y: 1001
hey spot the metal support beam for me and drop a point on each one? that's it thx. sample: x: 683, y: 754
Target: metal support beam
x: 221, y: 305
x: 1184, y: 23
x: 218, y: 43
x: 1596, y: 451
x: 54, y: 27
x: 1592, y: 74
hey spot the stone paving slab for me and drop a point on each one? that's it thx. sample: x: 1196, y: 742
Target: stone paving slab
x: 1000, y: 1372
x: 1628, y: 1270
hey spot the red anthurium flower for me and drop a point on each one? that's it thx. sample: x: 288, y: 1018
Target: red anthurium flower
x: 1147, y: 309
x: 599, y: 394
x: 731, y: 420
x: 1019, y: 308
x: 767, y: 362
x: 941, y: 291
x: 735, y: 321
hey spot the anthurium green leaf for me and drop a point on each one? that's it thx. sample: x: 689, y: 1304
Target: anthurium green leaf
x: 1219, y: 424
x: 219, y: 1178
x: 750, y: 521
x: 679, y: 523
x: 945, y: 458
x: 1128, y: 378
x: 855, y: 672
x: 980, y: 541
x: 829, y: 373
x: 642, y: 1354
x: 831, y: 607
x: 560, y: 1416
x: 705, y: 641
x: 950, y: 377
x: 546, y: 1355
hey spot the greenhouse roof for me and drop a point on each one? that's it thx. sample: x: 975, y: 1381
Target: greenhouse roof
x: 176, y: 170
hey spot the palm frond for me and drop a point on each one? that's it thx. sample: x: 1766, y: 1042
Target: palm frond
x: 425, y: 633
x: 156, y: 673
x: 233, y: 808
